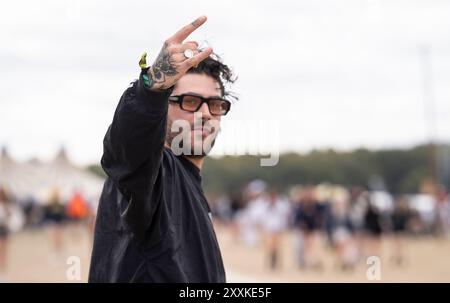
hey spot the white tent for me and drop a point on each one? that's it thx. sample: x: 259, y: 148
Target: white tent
x: 34, y: 179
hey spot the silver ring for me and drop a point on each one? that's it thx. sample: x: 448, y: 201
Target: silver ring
x: 188, y: 53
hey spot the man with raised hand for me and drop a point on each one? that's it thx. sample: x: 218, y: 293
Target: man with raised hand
x: 154, y: 222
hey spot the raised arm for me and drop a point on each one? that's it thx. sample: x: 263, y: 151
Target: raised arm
x: 134, y: 142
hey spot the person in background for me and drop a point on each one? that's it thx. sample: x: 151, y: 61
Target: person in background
x: 309, y: 219
x: 274, y: 221
x: 399, y: 220
x: 443, y: 211
x: 55, y: 214
x: 77, y: 208
x: 5, y: 214
x: 249, y: 217
x: 342, y: 230
x: 359, y: 201
x: 372, y: 229
x: 236, y: 207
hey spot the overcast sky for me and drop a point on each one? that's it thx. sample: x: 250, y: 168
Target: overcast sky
x: 319, y: 74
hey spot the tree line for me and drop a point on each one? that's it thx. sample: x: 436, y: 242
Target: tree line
x: 401, y: 170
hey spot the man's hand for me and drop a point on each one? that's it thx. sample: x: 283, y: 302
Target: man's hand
x: 171, y: 64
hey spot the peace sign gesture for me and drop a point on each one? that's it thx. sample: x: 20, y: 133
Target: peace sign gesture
x: 177, y: 57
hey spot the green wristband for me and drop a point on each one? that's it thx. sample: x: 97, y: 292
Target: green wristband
x: 147, y: 81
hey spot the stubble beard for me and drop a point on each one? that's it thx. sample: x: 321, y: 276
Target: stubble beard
x: 187, y: 138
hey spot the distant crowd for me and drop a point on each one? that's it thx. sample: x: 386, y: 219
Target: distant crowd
x: 53, y: 212
x: 350, y: 220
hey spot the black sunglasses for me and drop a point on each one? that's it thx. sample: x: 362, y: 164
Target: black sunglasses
x: 192, y: 103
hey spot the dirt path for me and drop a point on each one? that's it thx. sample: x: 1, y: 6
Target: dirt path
x: 33, y: 259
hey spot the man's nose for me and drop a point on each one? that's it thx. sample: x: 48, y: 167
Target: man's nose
x: 204, y: 110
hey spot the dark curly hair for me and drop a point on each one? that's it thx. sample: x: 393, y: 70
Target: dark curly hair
x: 213, y: 67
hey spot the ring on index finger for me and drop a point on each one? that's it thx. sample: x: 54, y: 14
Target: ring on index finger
x: 188, y: 53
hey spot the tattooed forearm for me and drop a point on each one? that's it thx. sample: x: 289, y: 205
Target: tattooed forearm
x: 163, y: 66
